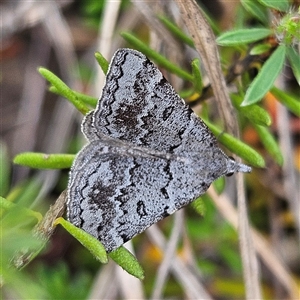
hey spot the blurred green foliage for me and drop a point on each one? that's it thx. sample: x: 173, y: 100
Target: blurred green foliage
x: 210, y: 235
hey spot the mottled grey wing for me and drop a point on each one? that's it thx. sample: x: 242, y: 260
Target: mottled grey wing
x: 148, y: 156
x: 114, y: 195
x: 139, y: 106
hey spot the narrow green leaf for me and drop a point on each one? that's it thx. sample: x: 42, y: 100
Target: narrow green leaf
x: 211, y: 20
x: 253, y: 113
x: 281, y: 5
x: 63, y: 90
x: 7, y: 205
x: 88, y: 241
x: 156, y: 57
x: 30, y: 190
x: 127, y: 261
x: 256, y: 10
x: 25, y: 192
x: 4, y: 170
x: 260, y: 49
x: 92, y: 101
x: 176, y: 31
x: 294, y: 60
x: 266, y: 77
x: 103, y: 63
x: 44, y: 161
x: 242, y: 36
x: 236, y: 146
x: 269, y: 143
x: 289, y: 101
x: 196, y: 71
x: 184, y: 94
x: 199, y: 206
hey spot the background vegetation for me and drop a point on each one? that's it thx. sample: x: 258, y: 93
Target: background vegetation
x: 198, y: 252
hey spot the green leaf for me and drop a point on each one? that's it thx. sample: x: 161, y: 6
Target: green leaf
x: 64, y: 90
x: 289, y: 101
x: 7, y: 205
x: 127, y: 261
x: 253, y: 113
x: 199, y: 206
x: 25, y: 192
x: 92, y: 101
x: 88, y: 241
x: 103, y: 63
x: 17, y: 239
x: 156, y: 57
x: 294, y: 60
x: 242, y: 36
x: 184, y: 94
x: 176, y: 31
x: 4, y: 170
x: 281, y: 5
x: 211, y: 21
x: 260, y: 49
x: 236, y: 146
x: 256, y: 10
x: 44, y: 161
x: 13, y: 239
x: 121, y: 255
x: 196, y: 71
x: 266, y: 77
x: 269, y: 143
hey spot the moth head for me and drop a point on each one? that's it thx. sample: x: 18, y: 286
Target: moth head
x: 233, y: 166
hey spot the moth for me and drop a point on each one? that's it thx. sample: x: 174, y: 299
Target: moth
x: 148, y: 155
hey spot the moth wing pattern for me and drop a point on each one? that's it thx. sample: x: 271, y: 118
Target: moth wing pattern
x: 116, y: 196
x: 138, y: 105
x: 147, y: 156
